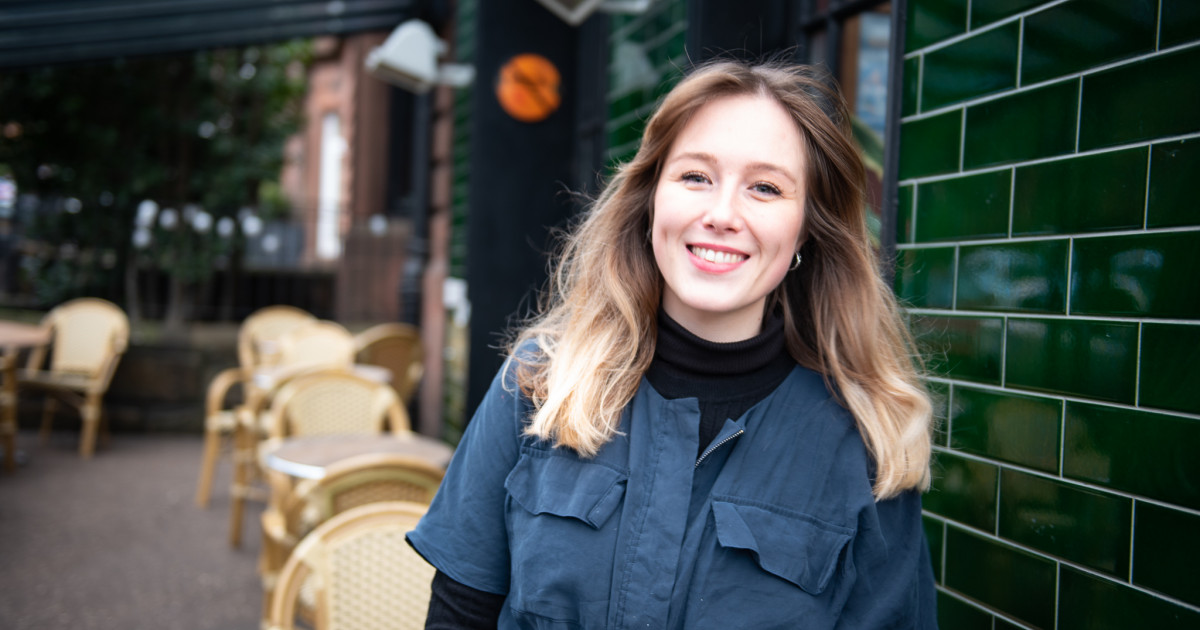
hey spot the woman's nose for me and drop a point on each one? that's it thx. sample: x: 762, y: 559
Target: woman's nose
x: 723, y: 213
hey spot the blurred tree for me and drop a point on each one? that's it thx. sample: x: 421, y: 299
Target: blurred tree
x: 198, y: 133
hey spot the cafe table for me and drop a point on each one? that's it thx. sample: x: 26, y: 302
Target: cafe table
x: 14, y: 336
x: 308, y: 457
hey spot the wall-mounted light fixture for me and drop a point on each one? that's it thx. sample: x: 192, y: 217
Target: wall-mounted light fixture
x: 409, y: 59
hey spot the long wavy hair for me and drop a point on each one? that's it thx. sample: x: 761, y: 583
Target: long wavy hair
x: 596, y: 326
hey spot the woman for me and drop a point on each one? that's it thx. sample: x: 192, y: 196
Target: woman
x: 715, y: 421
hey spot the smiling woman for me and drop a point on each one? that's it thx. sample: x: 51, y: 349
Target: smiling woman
x: 714, y: 421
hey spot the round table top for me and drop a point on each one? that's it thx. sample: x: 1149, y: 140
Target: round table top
x: 307, y: 457
x: 20, y: 335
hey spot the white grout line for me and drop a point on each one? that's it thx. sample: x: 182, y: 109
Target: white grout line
x: 997, y: 615
x: 1078, y: 114
x: 1054, y: 158
x: 1020, y: 51
x: 1146, y: 204
x: 1070, y: 262
x: 912, y: 236
x: 995, y: 96
x: 999, y: 488
x: 1069, y: 481
x: 1012, y: 199
x: 1057, y: 591
x: 962, y: 140
x: 1003, y: 350
x: 1062, y: 397
x: 1158, y: 27
x: 957, y: 269
x: 1051, y: 237
x: 1105, y: 319
x: 1137, y: 368
x: 1132, y: 534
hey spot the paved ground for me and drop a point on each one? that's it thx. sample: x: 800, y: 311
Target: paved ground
x: 116, y: 542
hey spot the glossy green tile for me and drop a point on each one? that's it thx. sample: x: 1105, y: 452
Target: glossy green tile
x: 1172, y: 199
x: 1143, y: 275
x: 984, y: 12
x: 1028, y: 277
x: 912, y: 86
x: 967, y: 348
x: 1004, y: 625
x: 955, y: 614
x: 1170, y: 366
x: 1078, y: 35
x: 1083, y: 358
x: 964, y: 490
x: 1180, y: 22
x: 1166, y: 549
x: 904, y: 214
x: 925, y: 277
x: 930, y: 146
x: 931, y: 21
x: 1082, y: 194
x: 1087, y: 602
x: 934, y: 532
x: 982, y: 64
x: 1028, y: 125
x: 1010, y: 427
x: 1140, y: 101
x: 1072, y: 522
x: 939, y: 396
x: 1139, y: 452
x: 969, y: 207
x: 1006, y: 578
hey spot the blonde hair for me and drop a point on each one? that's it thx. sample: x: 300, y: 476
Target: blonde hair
x: 596, y: 331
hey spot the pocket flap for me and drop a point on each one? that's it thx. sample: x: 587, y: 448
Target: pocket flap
x: 566, y: 487
x: 793, y: 546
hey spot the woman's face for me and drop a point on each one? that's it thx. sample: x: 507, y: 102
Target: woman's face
x: 728, y: 209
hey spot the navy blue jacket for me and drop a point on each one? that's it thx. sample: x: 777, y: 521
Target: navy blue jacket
x: 773, y: 526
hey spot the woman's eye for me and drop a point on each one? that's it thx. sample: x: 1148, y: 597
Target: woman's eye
x: 695, y: 177
x: 766, y: 188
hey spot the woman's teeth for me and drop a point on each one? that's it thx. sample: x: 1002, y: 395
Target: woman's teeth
x: 714, y: 256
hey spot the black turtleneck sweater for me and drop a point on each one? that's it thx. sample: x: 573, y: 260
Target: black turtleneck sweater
x: 726, y: 378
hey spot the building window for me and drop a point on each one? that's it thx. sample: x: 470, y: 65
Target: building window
x: 329, y: 195
x: 851, y: 39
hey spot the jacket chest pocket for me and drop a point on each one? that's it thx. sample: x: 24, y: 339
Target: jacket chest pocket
x: 779, y: 568
x: 562, y: 537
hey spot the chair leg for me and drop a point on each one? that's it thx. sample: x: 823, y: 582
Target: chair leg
x: 240, y: 486
x: 49, y: 408
x: 212, y: 449
x: 90, y: 412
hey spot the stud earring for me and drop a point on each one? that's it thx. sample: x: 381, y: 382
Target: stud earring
x: 796, y: 265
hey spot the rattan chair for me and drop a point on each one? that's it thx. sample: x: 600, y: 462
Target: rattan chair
x: 335, y: 401
x: 397, y: 347
x: 363, y: 573
x: 307, y: 349
x: 257, y: 345
x: 354, y: 482
x: 88, y: 337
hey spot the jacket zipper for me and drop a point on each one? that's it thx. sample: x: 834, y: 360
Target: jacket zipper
x: 717, y: 446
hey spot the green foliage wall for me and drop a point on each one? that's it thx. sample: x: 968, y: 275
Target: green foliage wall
x: 1049, y: 244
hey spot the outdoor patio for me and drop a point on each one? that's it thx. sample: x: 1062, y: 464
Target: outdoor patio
x: 117, y: 542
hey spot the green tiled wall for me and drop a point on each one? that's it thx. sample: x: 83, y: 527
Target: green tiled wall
x: 647, y: 60
x: 1048, y: 236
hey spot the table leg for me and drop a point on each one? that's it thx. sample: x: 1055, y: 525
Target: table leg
x: 8, y: 408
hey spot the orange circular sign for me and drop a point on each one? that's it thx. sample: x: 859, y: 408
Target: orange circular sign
x: 528, y: 88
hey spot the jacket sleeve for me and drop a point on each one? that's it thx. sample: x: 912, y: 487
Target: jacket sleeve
x: 464, y: 533
x: 893, y: 585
